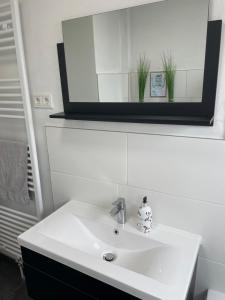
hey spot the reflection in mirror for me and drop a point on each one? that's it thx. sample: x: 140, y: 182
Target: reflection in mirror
x: 149, y: 53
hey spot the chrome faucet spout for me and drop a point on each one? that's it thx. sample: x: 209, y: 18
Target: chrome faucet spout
x: 119, y: 210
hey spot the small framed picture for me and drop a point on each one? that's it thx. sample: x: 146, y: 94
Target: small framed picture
x: 157, y: 84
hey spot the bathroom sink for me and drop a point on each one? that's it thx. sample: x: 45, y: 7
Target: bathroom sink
x: 128, y: 250
x: 157, y: 265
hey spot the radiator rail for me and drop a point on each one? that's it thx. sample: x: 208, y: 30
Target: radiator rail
x: 12, y: 224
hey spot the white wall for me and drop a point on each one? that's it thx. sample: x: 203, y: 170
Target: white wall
x: 183, y: 176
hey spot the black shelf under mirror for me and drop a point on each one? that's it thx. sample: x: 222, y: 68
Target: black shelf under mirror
x: 176, y: 120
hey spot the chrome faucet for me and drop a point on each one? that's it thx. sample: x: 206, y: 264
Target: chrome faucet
x: 119, y: 210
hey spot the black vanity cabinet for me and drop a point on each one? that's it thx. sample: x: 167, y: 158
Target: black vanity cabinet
x: 47, y: 279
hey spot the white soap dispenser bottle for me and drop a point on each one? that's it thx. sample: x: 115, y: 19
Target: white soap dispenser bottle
x: 144, y: 216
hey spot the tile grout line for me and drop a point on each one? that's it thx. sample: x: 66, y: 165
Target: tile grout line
x: 126, y: 131
x: 113, y: 183
x: 175, y: 195
x: 87, y: 178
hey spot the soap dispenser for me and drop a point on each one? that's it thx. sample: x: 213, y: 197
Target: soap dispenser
x: 144, y: 216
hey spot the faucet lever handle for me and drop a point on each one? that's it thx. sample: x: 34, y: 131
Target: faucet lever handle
x: 120, y: 202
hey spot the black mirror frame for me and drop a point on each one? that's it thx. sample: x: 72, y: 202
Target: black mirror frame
x: 158, y: 113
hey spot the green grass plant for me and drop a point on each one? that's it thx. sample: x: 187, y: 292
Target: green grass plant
x: 143, y: 72
x: 169, y: 68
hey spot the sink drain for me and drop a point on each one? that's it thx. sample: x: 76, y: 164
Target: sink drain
x: 109, y: 257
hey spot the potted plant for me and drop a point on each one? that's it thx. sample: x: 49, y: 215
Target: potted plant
x: 169, y: 68
x: 143, y: 71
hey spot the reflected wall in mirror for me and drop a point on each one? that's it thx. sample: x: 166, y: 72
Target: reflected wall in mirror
x: 103, y: 52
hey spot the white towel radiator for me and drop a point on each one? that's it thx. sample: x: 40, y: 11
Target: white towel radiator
x: 12, y: 224
x: 15, y: 105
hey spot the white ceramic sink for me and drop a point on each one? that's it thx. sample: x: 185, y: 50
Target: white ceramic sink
x: 131, y: 251
x: 157, y: 265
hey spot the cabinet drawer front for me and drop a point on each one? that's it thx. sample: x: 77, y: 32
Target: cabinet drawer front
x: 40, y: 286
x: 61, y: 272
x: 88, y: 285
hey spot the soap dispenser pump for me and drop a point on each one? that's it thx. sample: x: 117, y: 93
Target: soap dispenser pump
x: 144, y: 216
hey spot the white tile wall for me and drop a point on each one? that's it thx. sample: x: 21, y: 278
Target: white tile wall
x: 194, y: 168
x: 87, y: 153
x: 66, y: 187
x: 183, y: 178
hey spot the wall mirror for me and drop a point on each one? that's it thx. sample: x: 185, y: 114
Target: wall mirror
x: 154, y: 63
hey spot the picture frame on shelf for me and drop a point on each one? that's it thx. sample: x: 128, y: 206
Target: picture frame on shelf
x: 158, y: 85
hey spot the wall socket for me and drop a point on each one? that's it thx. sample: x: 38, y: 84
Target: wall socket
x: 42, y: 101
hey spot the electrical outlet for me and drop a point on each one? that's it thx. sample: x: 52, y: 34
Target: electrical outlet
x: 47, y: 101
x: 37, y: 101
x: 42, y: 101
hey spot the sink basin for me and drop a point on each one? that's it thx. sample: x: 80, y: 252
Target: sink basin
x: 157, y: 265
x: 130, y: 250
